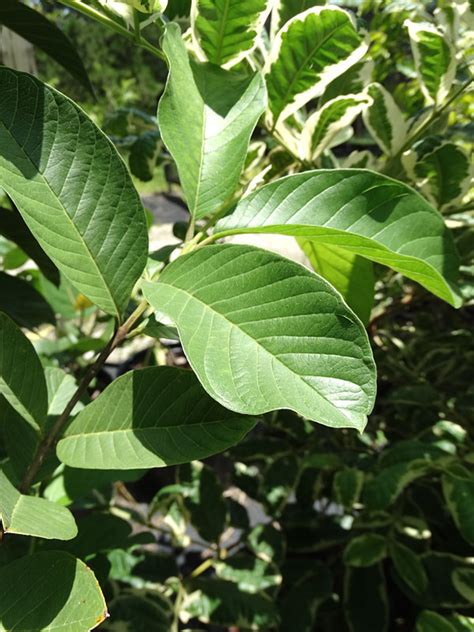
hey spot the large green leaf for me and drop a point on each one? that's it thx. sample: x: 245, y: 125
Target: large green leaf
x: 435, y: 60
x: 263, y: 332
x: 360, y: 211
x: 226, y: 31
x: 349, y: 273
x: 13, y: 227
x: 365, y: 550
x: 72, y: 189
x: 150, y: 418
x: 22, y: 381
x: 27, y: 515
x: 307, y: 53
x: 206, y: 117
x: 38, y: 30
x: 50, y: 591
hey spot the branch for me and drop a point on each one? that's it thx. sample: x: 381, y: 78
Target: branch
x: 51, y: 437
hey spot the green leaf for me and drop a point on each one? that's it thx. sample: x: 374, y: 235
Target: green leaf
x: 347, y: 486
x: 72, y: 189
x: 249, y: 573
x: 266, y: 541
x: 143, y: 155
x: 137, y: 613
x: 383, y: 490
x: 55, y: 592
x: 263, y: 333
x: 38, y: 30
x: 322, y: 127
x: 352, y: 275
x: 37, y: 517
x: 430, y: 621
x: 442, y: 169
x: 365, y: 213
x: 61, y: 387
x: 463, y: 581
x: 23, y: 303
x: 22, y: 381
x: 408, y: 566
x: 307, y: 53
x: 384, y: 120
x: 206, y: 117
x: 226, y: 31
x: 365, y: 599
x: 365, y: 550
x: 222, y: 603
x: 459, y: 497
x: 150, y: 418
x: 13, y: 227
x: 435, y: 60
x: 203, y: 491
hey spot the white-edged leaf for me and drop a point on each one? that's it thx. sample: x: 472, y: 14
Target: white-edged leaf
x: 206, y: 117
x: 322, y: 127
x: 365, y: 550
x: 360, y: 211
x: 226, y: 31
x: 430, y: 621
x: 263, y: 333
x: 384, y: 120
x: 441, y: 169
x: 150, y: 418
x: 37, y: 517
x: 22, y: 380
x: 72, y: 189
x: 458, y: 492
x: 307, y: 53
x: 435, y: 60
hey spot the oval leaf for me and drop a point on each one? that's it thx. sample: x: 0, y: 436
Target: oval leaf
x: 206, y: 117
x: 22, y: 380
x: 26, y: 515
x: 361, y: 211
x: 150, y: 418
x: 262, y: 333
x: 307, y: 53
x: 226, y: 31
x: 365, y: 550
x: 52, y: 591
x: 459, y: 496
x: 384, y: 120
x: 409, y: 567
x: 72, y: 189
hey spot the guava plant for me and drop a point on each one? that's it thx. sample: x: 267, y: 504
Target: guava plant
x: 259, y: 96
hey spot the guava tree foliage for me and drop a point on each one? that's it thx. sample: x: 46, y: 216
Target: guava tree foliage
x: 262, y: 101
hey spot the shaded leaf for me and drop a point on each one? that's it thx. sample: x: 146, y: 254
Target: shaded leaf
x: 408, y: 566
x: 275, y: 334
x: 430, y: 621
x: 56, y: 591
x: 37, y: 29
x: 458, y: 493
x: 23, y: 303
x: 365, y: 550
x: 365, y: 599
x: 150, y: 418
x: 249, y: 573
x: 13, y: 227
x: 22, y: 380
x: 347, y: 486
x: 351, y: 274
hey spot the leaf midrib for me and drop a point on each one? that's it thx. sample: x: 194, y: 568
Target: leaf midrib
x: 63, y: 208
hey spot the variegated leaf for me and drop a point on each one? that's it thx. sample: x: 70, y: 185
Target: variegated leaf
x: 384, y: 120
x: 435, y: 60
x: 307, y: 53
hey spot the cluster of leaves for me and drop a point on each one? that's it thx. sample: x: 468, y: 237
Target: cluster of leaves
x: 296, y: 524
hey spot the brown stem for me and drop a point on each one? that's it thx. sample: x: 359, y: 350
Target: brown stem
x: 51, y: 437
